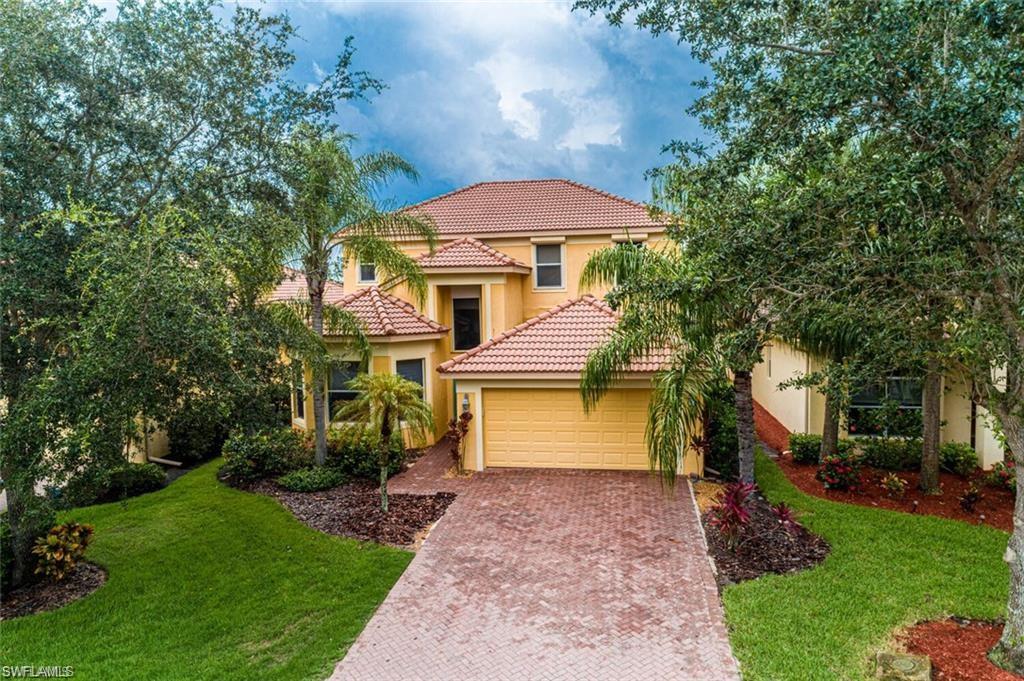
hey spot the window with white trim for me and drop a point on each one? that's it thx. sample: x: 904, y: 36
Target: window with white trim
x: 338, y: 390
x: 547, y: 266
x: 367, y: 273
x: 465, y: 323
x: 412, y: 370
x: 892, y: 408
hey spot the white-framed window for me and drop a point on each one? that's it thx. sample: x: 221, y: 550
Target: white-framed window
x: 367, y: 273
x: 412, y: 370
x: 548, y: 268
x: 891, y: 408
x: 465, y: 323
x: 298, y: 393
x: 338, y: 391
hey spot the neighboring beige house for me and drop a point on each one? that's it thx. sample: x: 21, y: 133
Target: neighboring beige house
x: 802, y: 410
x: 505, y: 330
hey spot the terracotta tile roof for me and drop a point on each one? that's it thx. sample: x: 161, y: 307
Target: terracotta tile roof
x: 532, y: 206
x: 293, y: 287
x: 557, y: 341
x: 467, y: 252
x: 385, y: 315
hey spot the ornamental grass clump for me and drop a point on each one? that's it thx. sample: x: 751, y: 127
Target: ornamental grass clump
x: 839, y: 472
x: 61, y: 550
x: 731, y: 514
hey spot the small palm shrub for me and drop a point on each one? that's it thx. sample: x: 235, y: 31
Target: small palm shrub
x: 894, y: 486
x: 252, y: 457
x: 1002, y: 476
x: 730, y: 515
x: 958, y: 458
x: 840, y: 472
x: 312, y: 479
x: 892, y: 453
x: 806, y: 448
x: 61, y: 550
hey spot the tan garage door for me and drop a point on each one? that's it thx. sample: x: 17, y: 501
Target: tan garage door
x: 539, y: 428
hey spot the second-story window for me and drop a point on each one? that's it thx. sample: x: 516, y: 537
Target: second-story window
x: 465, y: 323
x: 548, y: 266
x: 367, y: 273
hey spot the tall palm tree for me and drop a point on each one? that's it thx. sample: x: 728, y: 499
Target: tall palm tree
x: 331, y: 204
x: 386, y: 403
x: 673, y: 302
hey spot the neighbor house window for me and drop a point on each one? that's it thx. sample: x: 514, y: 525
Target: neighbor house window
x: 298, y: 393
x: 548, y: 265
x: 889, y: 409
x: 367, y: 273
x: 338, y: 391
x: 412, y: 370
x: 465, y: 323
x: 631, y: 245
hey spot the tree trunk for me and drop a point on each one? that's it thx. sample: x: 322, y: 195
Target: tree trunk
x: 385, y: 443
x: 316, y: 305
x: 21, y: 545
x: 830, y: 429
x: 930, y: 413
x: 1009, y: 652
x: 744, y: 424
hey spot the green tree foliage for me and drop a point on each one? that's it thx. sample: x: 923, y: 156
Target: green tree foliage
x: 928, y: 97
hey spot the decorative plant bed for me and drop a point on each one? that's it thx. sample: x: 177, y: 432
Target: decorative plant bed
x: 353, y: 510
x: 46, y: 595
x: 995, y: 508
x: 958, y: 649
x: 764, y: 545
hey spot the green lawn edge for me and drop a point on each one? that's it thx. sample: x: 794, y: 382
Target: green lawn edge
x: 887, y: 570
x: 205, y: 581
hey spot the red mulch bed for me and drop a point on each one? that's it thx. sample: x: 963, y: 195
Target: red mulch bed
x: 353, y: 510
x: 995, y: 509
x: 769, y: 429
x: 46, y: 595
x: 958, y: 649
x: 764, y: 547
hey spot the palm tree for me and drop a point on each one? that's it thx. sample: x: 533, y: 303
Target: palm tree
x: 672, y: 302
x: 386, y: 403
x: 331, y: 205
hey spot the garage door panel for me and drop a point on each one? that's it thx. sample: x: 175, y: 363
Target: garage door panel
x: 548, y: 428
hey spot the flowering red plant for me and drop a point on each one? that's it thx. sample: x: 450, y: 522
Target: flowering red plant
x: 839, y: 472
x: 730, y: 514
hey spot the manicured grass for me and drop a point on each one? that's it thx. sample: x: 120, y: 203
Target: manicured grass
x: 209, y: 582
x: 886, y: 570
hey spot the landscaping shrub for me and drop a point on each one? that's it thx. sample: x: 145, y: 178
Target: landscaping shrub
x: 730, y: 515
x: 785, y: 515
x: 895, y: 487
x: 61, y: 550
x: 806, y: 448
x: 721, y: 446
x: 1003, y: 476
x: 197, y: 432
x: 969, y: 499
x: 251, y: 457
x: 840, y: 472
x: 38, y: 519
x: 958, y: 458
x: 349, y: 449
x: 99, y: 485
x: 311, y: 479
x: 891, y: 453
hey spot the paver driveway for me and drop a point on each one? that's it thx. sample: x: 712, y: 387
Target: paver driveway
x: 552, y: 575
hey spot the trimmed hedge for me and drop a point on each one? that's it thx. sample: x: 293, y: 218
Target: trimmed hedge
x: 349, y: 450
x: 196, y: 433
x: 312, y: 479
x: 806, y: 448
x: 958, y: 458
x: 98, y: 485
x: 251, y: 457
x: 891, y: 453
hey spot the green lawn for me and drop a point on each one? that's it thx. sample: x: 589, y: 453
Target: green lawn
x: 208, y: 582
x: 886, y: 570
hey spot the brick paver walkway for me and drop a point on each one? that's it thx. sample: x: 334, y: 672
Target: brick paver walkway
x: 543, y: 574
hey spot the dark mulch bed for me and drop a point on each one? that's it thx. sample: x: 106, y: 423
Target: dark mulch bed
x: 46, y: 595
x: 958, y: 649
x: 765, y: 547
x: 353, y: 510
x: 995, y: 509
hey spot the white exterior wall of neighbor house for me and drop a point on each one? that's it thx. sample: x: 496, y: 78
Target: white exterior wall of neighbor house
x: 802, y: 410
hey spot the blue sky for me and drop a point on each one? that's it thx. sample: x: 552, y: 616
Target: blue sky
x: 484, y: 91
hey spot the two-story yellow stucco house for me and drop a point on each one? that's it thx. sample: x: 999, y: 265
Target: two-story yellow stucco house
x: 505, y: 330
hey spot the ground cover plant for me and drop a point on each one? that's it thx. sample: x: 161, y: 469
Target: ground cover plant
x: 885, y: 571
x: 205, y: 577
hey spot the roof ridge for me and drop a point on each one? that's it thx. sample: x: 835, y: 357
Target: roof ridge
x: 382, y: 313
x: 468, y: 240
x: 515, y: 330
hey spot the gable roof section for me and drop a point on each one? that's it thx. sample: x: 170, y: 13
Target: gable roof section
x: 293, y: 287
x: 523, y: 206
x: 470, y: 253
x: 554, y: 342
x: 385, y: 315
